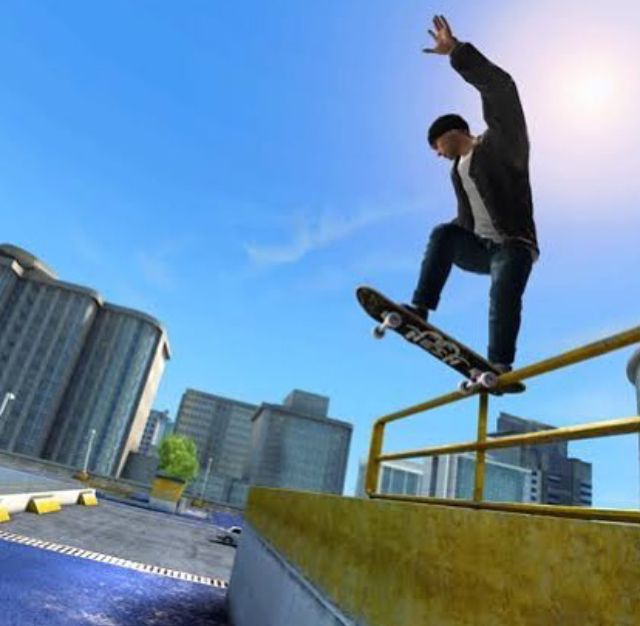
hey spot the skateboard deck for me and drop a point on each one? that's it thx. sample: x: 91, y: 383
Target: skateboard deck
x: 477, y: 370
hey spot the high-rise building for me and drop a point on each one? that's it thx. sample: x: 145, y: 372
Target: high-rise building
x: 74, y: 364
x: 221, y: 429
x: 400, y: 477
x: 560, y: 479
x: 296, y: 446
x: 633, y: 373
x: 154, y: 431
x: 44, y: 324
x: 452, y: 476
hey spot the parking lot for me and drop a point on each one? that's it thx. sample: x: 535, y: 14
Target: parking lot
x: 132, y: 533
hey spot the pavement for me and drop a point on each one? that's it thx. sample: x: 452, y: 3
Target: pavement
x: 39, y: 587
x: 132, y: 533
x: 15, y: 481
x: 172, y: 572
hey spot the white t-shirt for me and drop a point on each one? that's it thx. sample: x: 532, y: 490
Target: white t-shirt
x: 483, y: 226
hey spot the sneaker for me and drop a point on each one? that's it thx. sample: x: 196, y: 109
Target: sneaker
x: 503, y: 368
x: 418, y: 311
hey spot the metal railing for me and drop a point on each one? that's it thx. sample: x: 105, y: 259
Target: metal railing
x: 484, y: 443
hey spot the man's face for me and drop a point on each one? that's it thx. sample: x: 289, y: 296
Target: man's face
x: 449, y: 144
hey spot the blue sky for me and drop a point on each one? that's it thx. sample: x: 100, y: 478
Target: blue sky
x: 238, y: 169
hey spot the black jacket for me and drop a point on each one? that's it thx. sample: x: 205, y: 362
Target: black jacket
x: 500, y: 163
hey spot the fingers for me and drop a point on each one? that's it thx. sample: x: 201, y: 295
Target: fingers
x: 445, y: 24
x: 428, y: 51
x: 433, y: 34
x: 440, y: 23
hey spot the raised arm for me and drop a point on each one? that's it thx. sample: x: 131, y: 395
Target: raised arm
x: 501, y: 107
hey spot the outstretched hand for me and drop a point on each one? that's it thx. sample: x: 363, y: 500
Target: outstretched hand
x: 445, y: 42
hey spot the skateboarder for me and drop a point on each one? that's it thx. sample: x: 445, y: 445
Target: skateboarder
x: 494, y: 232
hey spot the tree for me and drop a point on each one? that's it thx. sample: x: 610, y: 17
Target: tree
x: 179, y: 457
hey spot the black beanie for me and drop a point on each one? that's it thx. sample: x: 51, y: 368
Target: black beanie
x: 444, y: 124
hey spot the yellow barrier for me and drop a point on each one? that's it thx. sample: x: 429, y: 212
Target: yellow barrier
x: 484, y: 443
x: 387, y: 563
x: 87, y: 499
x: 44, y: 504
x: 4, y: 514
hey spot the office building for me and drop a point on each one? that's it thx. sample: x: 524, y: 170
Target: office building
x: 295, y: 445
x: 220, y: 428
x: 633, y: 374
x: 559, y: 479
x: 75, y: 364
x: 156, y: 429
x: 452, y: 476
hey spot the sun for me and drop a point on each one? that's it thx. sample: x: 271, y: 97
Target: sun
x: 592, y: 93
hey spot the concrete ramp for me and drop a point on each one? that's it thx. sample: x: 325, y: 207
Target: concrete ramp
x: 319, y: 560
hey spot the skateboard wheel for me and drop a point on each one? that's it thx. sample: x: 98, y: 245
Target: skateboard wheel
x: 378, y: 332
x: 488, y: 380
x: 393, y: 320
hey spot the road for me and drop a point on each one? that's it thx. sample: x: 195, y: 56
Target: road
x: 134, y: 534
x: 39, y: 587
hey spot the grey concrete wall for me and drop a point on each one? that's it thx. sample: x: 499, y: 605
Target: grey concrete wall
x: 265, y: 589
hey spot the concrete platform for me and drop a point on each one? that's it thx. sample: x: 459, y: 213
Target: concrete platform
x: 317, y: 559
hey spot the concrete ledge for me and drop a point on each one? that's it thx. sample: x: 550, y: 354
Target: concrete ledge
x: 386, y: 563
x: 159, y: 504
x: 19, y: 502
x: 265, y: 589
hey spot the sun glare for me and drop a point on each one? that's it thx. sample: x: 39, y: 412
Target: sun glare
x: 592, y: 93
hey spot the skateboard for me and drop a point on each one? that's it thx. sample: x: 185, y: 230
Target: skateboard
x: 478, y: 372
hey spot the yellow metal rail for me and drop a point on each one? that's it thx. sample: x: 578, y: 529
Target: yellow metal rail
x: 484, y: 443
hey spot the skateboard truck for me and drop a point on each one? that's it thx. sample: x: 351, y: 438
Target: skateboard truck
x: 390, y: 319
x: 485, y: 380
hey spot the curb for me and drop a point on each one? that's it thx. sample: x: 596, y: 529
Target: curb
x: 42, y: 502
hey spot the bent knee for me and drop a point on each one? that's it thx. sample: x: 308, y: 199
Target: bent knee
x: 444, y: 231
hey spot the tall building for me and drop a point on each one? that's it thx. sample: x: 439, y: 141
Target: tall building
x: 452, y: 476
x: 221, y: 429
x: 633, y: 373
x: 44, y: 324
x: 296, y: 446
x: 75, y: 364
x: 559, y: 478
x: 155, y: 430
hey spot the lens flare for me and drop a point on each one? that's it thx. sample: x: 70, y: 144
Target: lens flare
x: 592, y: 94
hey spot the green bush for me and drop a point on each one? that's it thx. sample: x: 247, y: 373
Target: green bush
x: 179, y: 457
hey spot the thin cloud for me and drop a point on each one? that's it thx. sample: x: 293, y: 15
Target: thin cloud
x: 156, y: 270
x: 310, y: 233
x: 157, y: 266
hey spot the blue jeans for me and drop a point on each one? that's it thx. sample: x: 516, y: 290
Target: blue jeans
x: 509, y: 266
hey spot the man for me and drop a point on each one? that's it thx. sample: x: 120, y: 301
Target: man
x: 494, y: 232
